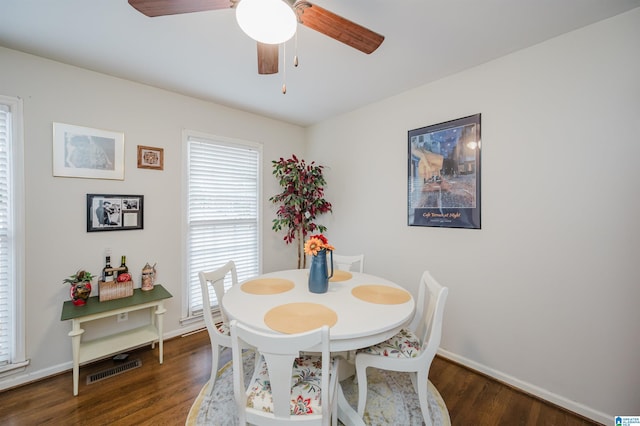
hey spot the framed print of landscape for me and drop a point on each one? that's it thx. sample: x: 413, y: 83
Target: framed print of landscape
x: 84, y: 152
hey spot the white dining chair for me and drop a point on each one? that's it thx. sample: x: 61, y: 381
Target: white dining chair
x: 219, y: 334
x: 347, y: 263
x: 410, y: 350
x: 286, y: 387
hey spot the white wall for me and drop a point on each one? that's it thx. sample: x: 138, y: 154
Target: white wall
x: 545, y: 296
x: 57, y: 243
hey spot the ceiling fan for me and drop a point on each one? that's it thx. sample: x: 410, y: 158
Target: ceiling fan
x: 307, y: 14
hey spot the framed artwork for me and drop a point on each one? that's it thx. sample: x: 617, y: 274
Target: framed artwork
x: 444, y: 174
x: 84, y: 152
x: 114, y: 212
x: 150, y: 157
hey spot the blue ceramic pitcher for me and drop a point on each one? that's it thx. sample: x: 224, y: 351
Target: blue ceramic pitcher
x: 318, y: 273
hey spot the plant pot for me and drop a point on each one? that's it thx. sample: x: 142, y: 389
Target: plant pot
x: 80, y: 293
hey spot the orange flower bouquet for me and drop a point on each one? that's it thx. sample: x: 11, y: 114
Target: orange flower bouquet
x: 316, y: 243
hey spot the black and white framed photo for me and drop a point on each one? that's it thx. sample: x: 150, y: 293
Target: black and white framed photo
x: 84, y: 152
x: 106, y: 212
x: 444, y: 174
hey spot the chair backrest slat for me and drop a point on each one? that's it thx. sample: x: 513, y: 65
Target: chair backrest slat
x: 218, y: 338
x: 427, y: 323
x: 216, y: 278
x: 279, y: 352
x: 346, y: 263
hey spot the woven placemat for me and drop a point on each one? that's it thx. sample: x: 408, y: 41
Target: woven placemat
x: 298, y: 317
x: 381, y: 294
x: 267, y: 286
x: 339, y: 275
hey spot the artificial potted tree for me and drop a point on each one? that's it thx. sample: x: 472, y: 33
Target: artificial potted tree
x: 300, y: 202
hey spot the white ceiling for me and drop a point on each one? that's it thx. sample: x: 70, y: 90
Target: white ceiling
x: 207, y: 56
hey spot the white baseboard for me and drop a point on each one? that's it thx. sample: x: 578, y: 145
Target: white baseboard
x: 553, y: 398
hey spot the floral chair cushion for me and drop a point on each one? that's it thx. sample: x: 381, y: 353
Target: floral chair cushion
x: 305, y: 387
x: 224, y: 328
x: 404, y: 344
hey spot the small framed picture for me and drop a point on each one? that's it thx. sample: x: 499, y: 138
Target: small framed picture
x: 114, y: 212
x: 84, y: 152
x: 150, y: 157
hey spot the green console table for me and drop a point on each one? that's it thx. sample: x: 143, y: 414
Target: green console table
x: 84, y: 351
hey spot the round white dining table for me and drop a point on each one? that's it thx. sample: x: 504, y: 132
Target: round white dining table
x: 358, y: 321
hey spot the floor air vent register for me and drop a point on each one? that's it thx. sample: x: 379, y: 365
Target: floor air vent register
x: 113, y: 371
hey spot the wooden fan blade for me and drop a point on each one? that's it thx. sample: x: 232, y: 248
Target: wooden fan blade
x: 267, y: 58
x: 154, y: 8
x: 337, y: 27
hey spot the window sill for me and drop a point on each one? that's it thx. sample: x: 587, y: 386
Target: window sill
x: 9, y: 369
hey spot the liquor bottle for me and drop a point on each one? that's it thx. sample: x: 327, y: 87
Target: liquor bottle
x: 123, y: 266
x: 107, y: 271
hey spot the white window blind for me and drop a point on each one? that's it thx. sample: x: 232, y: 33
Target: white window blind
x: 5, y: 243
x: 223, y: 211
x: 11, y: 237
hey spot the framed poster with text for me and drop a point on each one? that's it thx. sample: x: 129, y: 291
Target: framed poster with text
x: 444, y: 174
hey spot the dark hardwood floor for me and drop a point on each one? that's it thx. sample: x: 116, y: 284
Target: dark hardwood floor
x: 157, y: 394
x: 475, y: 399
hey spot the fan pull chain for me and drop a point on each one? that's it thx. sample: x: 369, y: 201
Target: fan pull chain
x: 295, y: 52
x: 284, y: 68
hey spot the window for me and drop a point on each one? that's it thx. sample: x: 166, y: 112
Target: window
x: 223, y: 210
x: 12, y: 345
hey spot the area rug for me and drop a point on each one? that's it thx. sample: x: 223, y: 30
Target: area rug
x: 390, y: 400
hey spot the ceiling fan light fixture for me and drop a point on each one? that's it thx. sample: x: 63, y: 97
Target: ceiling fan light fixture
x: 267, y: 21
